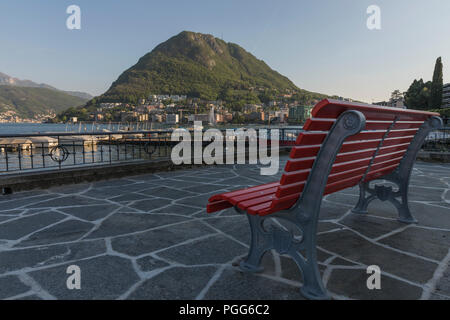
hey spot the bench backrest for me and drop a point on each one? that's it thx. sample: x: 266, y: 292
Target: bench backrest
x: 374, y: 152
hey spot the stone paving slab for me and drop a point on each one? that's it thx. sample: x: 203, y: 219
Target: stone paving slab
x: 149, y: 237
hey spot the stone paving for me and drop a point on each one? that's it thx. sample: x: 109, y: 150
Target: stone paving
x: 148, y: 237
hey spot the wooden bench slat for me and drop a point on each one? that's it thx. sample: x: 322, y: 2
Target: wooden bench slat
x: 281, y: 204
x: 347, y: 166
x: 310, y: 138
x: 258, y: 209
x: 326, y: 124
x: 296, y: 176
x: 329, y: 108
x: 389, y: 149
x: 389, y: 156
x: 381, y: 165
x: 304, y: 151
x: 299, y: 164
x: 289, y: 189
x: 379, y: 134
x: 355, y: 146
x: 256, y: 201
x: 261, y: 193
x: 217, y: 206
x: 243, y: 191
x: 316, y: 138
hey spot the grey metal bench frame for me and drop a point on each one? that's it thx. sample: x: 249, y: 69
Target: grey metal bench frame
x: 304, y: 214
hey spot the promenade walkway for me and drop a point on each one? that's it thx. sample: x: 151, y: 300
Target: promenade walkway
x: 148, y: 237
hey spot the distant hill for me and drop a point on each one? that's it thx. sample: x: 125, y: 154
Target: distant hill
x: 199, y: 65
x: 30, y: 101
x: 11, y: 81
x: 79, y: 94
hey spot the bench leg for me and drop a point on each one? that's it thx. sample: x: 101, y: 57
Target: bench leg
x: 400, y: 177
x: 260, y: 244
x: 303, y: 251
x: 402, y: 174
x: 404, y: 214
x: 284, y: 243
x: 313, y: 287
x: 385, y: 193
x: 363, y: 202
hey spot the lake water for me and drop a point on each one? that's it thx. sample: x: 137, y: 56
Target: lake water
x: 23, y: 128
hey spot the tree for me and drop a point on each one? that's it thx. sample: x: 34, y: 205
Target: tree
x: 418, y: 95
x: 266, y: 96
x: 396, y: 95
x: 436, y: 86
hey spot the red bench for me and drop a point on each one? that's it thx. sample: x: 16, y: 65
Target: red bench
x: 343, y: 144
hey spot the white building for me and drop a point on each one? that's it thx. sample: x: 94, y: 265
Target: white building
x: 212, y: 118
x: 446, y: 96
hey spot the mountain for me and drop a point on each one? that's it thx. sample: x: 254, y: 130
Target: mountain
x: 199, y: 65
x: 27, y: 102
x: 8, y: 80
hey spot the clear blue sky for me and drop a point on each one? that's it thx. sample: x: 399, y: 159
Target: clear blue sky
x: 321, y: 45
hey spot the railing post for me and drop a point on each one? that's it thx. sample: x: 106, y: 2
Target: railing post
x: 43, y: 155
x: 92, y: 149
x: 31, y: 155
x: 109, y: 148
x: 74, y: 153
x: 83, y: 151
x: 6, y: 157
x: 20, y: 156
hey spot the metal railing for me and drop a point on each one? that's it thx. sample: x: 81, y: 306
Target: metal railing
x: 53, y: 151
x: 438, y: 141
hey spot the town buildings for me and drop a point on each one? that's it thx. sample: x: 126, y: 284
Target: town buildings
x: 446, y: 96
x: 180, y: 109
x: 299, y: 114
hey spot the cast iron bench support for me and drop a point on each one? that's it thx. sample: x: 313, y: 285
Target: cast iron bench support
x: 400, y: 177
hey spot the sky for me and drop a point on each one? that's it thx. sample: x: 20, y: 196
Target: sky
x: 322, y: 46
